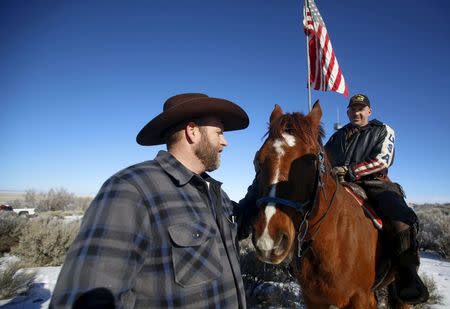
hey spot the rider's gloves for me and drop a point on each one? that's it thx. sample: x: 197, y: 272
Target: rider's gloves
x: 339, y: 171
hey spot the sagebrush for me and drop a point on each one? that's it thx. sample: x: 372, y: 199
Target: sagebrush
x: 11, y: 226
x: 55, y: 199
x: 45, y: 241
x: 434, y: 234
x: 14, y: 279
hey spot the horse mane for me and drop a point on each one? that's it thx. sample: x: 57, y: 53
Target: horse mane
x: 296, y: 124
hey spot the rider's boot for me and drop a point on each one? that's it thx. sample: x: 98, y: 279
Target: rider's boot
x: 409, y: 287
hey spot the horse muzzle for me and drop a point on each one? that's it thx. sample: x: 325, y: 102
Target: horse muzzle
x: 272, y: 251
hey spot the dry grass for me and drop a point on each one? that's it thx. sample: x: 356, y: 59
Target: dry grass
x: 14, y: 280
x: 435, y: 296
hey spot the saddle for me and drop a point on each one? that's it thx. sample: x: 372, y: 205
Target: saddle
x: 361, y: 197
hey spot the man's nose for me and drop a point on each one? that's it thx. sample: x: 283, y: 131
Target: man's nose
x: 223, y: 141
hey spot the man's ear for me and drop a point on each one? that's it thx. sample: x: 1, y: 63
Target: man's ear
x: 192, y: 132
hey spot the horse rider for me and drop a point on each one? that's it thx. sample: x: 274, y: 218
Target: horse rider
x: 361, y: 152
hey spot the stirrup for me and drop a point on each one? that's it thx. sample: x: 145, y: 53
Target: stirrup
x: 382, y: 270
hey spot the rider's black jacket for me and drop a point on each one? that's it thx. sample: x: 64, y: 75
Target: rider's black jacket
x: 367, y: 150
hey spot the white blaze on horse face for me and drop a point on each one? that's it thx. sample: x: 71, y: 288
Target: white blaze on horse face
x: 279, y: 145
x: 265, y: 242
x: 290, y: 139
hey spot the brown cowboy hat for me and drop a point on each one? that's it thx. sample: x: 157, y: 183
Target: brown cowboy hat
x: 188, y: 106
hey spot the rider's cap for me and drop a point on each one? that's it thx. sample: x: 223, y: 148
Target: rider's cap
x: 359, y: 99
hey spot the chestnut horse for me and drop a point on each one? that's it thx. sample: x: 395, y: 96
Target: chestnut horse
x: 308, y: 219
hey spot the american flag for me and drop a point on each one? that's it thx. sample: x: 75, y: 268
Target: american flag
x: 325, y: 73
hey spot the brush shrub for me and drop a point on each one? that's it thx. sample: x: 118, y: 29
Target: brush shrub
x: 14, y: 280
x: 11, y: 226
x: 45, y: 241
x: 434, y: 232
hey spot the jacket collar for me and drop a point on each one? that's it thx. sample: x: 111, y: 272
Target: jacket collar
x: 179, y: 173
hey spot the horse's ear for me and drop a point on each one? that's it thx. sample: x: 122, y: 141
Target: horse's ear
x: 276, y: 113
x: 316, y: 113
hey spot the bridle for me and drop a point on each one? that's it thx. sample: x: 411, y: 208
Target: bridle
x: 304, y: 208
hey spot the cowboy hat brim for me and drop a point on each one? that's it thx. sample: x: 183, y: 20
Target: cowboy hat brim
x: 232, y: 116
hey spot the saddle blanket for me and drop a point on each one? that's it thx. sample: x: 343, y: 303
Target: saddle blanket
x: 367, y: 209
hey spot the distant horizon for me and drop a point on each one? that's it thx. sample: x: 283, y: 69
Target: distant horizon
x: 419, y: 202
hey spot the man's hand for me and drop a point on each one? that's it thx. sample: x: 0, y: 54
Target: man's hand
x: 339, y: 172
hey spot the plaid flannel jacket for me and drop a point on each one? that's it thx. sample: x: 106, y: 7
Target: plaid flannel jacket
x: 156, y: 236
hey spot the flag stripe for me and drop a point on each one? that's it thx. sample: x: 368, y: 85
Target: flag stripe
x: 325, y: 72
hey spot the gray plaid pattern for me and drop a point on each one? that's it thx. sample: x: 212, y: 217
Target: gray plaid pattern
x: 150, y: 237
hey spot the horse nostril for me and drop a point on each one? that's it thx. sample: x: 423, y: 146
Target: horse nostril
x: 284, y: 242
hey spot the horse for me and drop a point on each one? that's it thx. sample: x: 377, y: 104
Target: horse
x: 306, y: 217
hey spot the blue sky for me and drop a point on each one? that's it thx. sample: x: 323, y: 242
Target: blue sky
x: 78, y: 80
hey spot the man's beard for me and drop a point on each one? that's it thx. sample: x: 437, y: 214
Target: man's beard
x: 208, y: 154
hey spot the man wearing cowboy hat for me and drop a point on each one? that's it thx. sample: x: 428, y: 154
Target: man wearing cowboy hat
x: 162, y: 233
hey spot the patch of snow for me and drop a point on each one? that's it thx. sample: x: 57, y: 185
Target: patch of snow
x: 38, y: 296
x: 68, y: 219
x: 40, y: 292
x: 6, y: 260
x: 433, y: 266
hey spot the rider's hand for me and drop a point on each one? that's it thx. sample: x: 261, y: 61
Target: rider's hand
x: 339, y: 171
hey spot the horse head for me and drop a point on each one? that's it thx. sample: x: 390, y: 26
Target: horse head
x: 287, y: 167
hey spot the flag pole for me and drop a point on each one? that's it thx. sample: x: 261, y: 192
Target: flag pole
x: 307, y: 58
